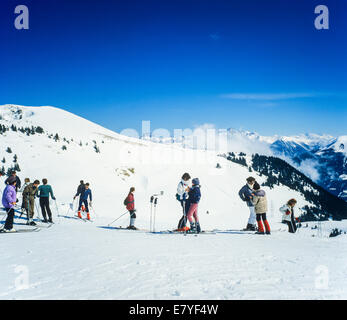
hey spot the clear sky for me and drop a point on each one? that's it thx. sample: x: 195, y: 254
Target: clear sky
x: 259, y: 65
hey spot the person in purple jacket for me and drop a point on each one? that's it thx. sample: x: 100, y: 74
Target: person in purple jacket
x: 9, y: 198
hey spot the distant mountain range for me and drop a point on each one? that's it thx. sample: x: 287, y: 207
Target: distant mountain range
x: 322, y: 158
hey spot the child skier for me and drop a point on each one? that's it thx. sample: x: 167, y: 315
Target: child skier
x: 288, y: 215
x: 194, y: 196
x: 130, y: 205
x: 9, y: 199
x: 260, y: 205
x: 181, y: 196
x: 85, y: 194
x: 43, y: 193
x: 245, y: 194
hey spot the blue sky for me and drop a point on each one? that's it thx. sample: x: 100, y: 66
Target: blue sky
x: 251, y: 64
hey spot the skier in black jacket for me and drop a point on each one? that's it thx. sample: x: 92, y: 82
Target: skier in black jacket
x: 18, y: 182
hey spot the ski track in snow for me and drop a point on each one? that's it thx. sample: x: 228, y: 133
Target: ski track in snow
x: 75, y: 260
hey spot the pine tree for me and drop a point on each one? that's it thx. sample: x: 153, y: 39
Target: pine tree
x: 15, y: 158
x: 8, y: 150
x: 56, y: 137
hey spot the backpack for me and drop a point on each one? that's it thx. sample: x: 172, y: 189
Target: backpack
x: 126, y: 202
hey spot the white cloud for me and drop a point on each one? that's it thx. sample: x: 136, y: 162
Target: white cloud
x: 266, y: 96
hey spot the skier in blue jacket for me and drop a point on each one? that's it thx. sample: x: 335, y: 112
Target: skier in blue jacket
x: 84, y: 195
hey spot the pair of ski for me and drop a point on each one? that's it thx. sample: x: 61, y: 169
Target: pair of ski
x: 165, y: 231
x: 83, y: 219
x: 36, y: 229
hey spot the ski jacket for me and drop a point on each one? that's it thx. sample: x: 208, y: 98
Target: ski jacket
x: 9, y: 195
x: 85, y: 194
x: 194, y: 194
x: 30, y: 191
x: 44, y: 191
x: 23, y: 187
x: 288, y: 212
x: 259, y: 201
x: 80, y: 189
x: 182, y: 190
x: 245, y: 194
x: 131, y: 202
x: 18, y: 182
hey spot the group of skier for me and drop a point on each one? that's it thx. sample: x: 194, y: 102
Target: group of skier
x: 188, y: 194
x: 29, y: 191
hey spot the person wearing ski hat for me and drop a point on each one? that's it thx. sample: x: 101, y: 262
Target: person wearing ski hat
x: 18, y: 182
x: 86, y: 193
x: 130, y: 205
x: 80, y: 190
x: 43, y: 193
x: 9, y: 199
x: 260, y: 205
x: 29, y: 195
x: 181, y: 196
x: 245, y: 194
x: 288, y: 215
x: 194, y: 196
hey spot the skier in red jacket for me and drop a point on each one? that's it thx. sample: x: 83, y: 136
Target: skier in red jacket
x: 130, y: 205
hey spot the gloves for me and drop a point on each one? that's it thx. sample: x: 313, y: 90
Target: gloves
x: 53, y: 198
x: 287, y: 212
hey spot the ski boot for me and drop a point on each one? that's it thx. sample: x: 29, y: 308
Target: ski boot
x: 31, y: 223
x: 249, y: 227
x: 79, y: 214
x: 192, y: 228
x: 88, y: 216
x: 44, y: 220
x: 198, y: 228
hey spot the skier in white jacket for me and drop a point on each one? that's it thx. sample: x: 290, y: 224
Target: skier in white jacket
x: 288, y: 215
x: 181, y: 196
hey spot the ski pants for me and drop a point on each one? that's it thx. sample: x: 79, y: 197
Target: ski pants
x: 193, y: 212
x: 44, y: 204
x: 260, y: 217
x: 9, y: 219
x: 183, y: 221
x: 29, y: 205
x: 132, y: 214
x: 291, y: 225
x: 252, y: 216
x: 85, y: 202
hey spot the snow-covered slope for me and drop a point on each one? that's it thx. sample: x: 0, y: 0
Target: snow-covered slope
x: 124, y: 162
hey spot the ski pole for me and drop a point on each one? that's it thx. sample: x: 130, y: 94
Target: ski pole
x: 117, y: 218
x: 154, y: 213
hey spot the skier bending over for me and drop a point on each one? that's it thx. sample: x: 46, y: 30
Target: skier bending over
x: 130, y: 204
x: 9, y: 198
x: 29, y: 195
x: 43, y: 193
x: 85, y: 194
x: 288, y: 215
x: 193, y: 201
x: 245, y: 194
x: 260, y: 205
x: 181, y: 196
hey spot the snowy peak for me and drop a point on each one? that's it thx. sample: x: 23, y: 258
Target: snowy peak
x: 52, y: 120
